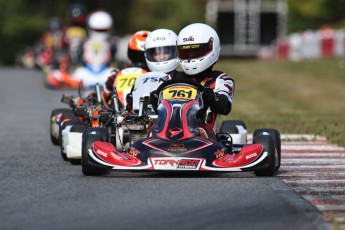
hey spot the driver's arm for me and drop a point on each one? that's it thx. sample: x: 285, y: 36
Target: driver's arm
x: 221, y: 102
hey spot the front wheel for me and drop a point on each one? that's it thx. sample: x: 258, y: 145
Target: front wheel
x: 276, y: 139
x: 88, y: 165
x: 272, y: 158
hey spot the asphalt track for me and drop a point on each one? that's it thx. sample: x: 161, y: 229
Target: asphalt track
x: 38, y: 190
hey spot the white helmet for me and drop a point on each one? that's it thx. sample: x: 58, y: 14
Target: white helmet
x: 197, y: 48
x: 160, y: 51
x: 100, y: 24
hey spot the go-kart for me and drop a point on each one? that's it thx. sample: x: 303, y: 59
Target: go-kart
x: 86, y: 115
x: 176, y: 142
x: 100, y: 115
x: 95, y: 69
x: 74, y: 118
x: 59, y: 115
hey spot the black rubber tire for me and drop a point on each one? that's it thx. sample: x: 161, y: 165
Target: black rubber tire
x: 75, y: 161
x: 99, y: 134
x: 55, y: 141
x: 229, y: 126
x: 276, y: 138
x: 268, y: 143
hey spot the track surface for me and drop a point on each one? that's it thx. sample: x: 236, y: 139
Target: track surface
x: 38, y: 190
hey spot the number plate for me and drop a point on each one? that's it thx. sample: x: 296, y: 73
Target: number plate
x: 179, y: 92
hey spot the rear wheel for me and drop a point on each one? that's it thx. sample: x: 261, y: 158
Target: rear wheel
x: 53, y: 139
x: 75, y: 161
x: 272, y: 158
x: 276, y: 139
x: 91, y: 135
x: 230, y: 126
x: 237, y: 129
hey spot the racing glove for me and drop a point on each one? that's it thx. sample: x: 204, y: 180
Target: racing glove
x: 154, y: 101
x: 208, y: 96
x: 218, y: 103
x: 110, y: 81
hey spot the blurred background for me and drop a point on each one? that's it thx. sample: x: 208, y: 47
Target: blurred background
x: 259, y: 28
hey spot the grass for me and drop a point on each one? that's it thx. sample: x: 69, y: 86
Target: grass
x: 306, y: 97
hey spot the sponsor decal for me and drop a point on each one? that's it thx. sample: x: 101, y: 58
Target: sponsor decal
x: 175, y: 131
x: 189, y: 39
x: 187, y: 47
x: 99, y: 152
x: 177, y: 148
x: 134, y: 152
x: 176, y: 163
x: 116, y: 156
x: 220, y: 153
x: 159, y: 39
x: 251, y: 156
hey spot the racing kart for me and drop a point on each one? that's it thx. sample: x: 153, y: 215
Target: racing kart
x: 59, y: 115
x: 176, y: 143
x: 88, y: 114
x: 100, y: 115
x: 75, y: 118
x: 95, y: 68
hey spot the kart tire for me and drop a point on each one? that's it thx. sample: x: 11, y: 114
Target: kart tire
x: 54, y: 140
x: 74, y: 121
x: 75, y: 161
x: 91, y: 135
x: 276, y: 138
x: 229, y: 126
x: 272, y: 158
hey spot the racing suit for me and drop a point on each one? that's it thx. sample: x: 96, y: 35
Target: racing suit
x: 217, y: 97
x: 123, y: 80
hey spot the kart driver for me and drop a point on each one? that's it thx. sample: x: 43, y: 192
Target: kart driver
x: 160, y: 51
x: 160, y: 56
x: 99, y: 39
x: 124, y: 79
x: 198, y: 50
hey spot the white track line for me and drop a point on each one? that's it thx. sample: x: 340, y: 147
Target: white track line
x: 303, y: 181
x: 314, y: 161
x: 331, y: 207
x: 294, y: 167
x: 312, y: 147
x: 311, y: 154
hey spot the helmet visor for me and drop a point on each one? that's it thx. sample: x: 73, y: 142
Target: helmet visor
x: 101, y: 30
x: 159, y: 54
x: 192, y: 51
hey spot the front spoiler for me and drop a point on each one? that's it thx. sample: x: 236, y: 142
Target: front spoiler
x: 125, y: 161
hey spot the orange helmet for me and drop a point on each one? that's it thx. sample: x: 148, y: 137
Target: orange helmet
x: 136, y: 49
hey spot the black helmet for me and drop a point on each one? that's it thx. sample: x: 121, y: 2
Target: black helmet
x: 54, y: 24
x: 77, y: 14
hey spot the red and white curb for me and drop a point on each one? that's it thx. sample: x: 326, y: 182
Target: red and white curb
x: 315, y: 169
